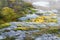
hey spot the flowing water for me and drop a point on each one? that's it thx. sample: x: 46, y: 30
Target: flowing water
x: 9, y: 32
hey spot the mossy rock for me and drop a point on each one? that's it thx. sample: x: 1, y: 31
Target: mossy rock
x: 53, y: 31
x: 9, y: 38
x: 4, y: 25
x: 25, y: 28
x: 19, y: 25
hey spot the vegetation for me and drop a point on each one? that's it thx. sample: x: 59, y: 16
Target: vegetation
x: 11, y: 10
x: 8, y: 14
x: 42, y: 19
x: 25, y: 28
x: 9, y: 38
x: 50, y: 30
x: 4, y: 25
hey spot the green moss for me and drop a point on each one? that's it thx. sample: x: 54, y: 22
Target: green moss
x: 4, y: 25
x: 53, y: 31
x: 58, y: 35
x: 26, y: 28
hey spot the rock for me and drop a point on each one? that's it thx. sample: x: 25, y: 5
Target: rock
x: 47, y: 37
x: 18, y: 39
x: 2, y: 37
x: 23, y: 18
x: 38, y: 39
x: 52, y: 24
x: 29, y: 16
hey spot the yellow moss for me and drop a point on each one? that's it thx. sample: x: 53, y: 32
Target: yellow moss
x: 52, y: 20
x: 53, y: 14
x: 26, y: 28
x: 42, y: 19
x: 4, y: 25
x: 39, y: 19
x: 7, y: 10
x: 22, y: 28
x: 12, y: 1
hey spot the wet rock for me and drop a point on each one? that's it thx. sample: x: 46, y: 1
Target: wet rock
x: 47, y: 37
x: 32, y: 16
x: 23, y: 18
x: 28, y: 16
x: 2, y: 37
x: 52, y: 24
